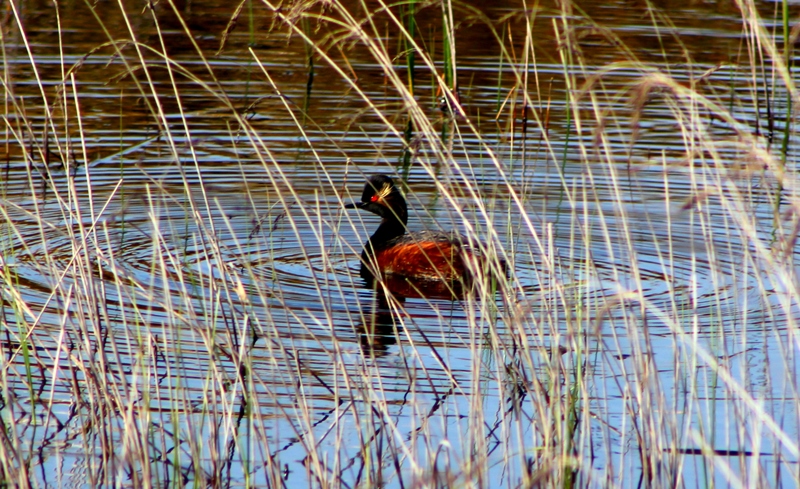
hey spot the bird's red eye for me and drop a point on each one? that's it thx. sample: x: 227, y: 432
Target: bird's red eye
x: 374, y: 198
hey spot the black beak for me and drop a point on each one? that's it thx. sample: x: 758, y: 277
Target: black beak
x: 354, y: 205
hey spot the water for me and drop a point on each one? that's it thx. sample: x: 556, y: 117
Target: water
x: 182, y: 290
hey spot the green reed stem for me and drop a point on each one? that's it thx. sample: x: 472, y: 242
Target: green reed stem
x: 410, y: 24
x: 787, y: 52
x: 449, y: 46
x: 500, y: 61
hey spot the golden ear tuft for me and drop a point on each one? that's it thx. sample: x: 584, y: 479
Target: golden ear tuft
x: 385, y: 191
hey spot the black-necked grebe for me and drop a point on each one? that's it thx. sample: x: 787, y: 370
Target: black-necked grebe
x: 423, y: 263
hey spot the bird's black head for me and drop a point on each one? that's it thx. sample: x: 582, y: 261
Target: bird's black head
x: 383, y: 198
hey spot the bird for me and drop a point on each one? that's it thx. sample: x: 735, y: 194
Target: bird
x: 412, y: 264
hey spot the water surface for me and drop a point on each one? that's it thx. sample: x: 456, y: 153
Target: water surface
x: 177, y: 234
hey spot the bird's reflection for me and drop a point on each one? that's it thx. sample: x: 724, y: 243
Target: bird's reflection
x: 377, y: 333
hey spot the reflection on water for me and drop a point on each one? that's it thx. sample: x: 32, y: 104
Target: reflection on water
x: 379, y: 329
x: 186, y: 244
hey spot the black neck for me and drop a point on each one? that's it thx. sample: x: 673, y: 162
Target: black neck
x: 392, y: 226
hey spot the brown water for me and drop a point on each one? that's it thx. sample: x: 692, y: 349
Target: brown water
x: 166, y: 191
